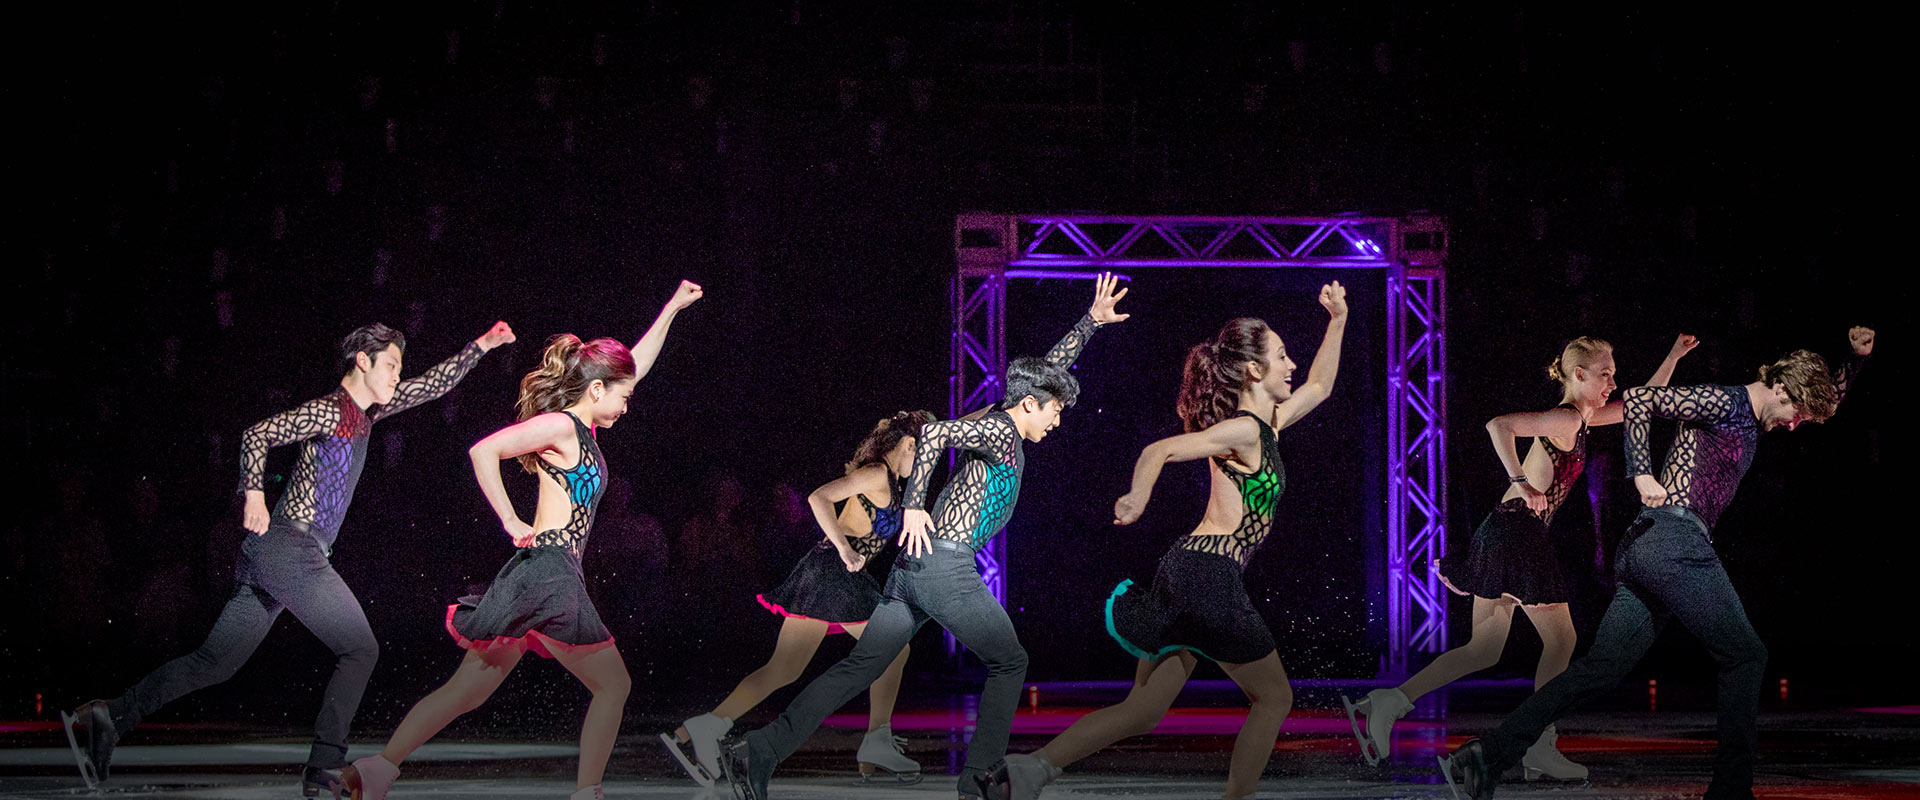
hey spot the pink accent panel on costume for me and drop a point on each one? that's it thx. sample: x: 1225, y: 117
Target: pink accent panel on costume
x: 535, y: 642
x: 832, y: 627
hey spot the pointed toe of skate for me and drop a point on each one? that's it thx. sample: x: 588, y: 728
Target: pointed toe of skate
x: 698, y: 773
x: 369, y: 778
x: 316, y: 782
x: 881, y: 751
x: 92, y: 737
x: 1468, y: 764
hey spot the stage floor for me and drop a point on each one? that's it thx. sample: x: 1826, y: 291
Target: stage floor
x: 1806, y: 754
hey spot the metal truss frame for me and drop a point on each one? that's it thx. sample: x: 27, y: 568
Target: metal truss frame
x: 990, y: 249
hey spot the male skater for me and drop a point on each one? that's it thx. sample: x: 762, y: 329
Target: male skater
x: 1666, y: 565
x: 936, y: 577
x: 283, y: 565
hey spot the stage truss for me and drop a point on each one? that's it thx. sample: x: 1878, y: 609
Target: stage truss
x: 991, y: 249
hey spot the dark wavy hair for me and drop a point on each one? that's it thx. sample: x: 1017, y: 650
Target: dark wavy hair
x: 566, y: 369
x: 1041, y: 380
x: 370, y: 339
x: 886, y: 435
x: 1216, y: 371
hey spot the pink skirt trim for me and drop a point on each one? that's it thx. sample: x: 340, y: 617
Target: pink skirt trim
x: 832, y: 627
x: 535, y: 642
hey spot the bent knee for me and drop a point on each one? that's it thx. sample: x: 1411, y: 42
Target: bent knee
x: 1012, y: 661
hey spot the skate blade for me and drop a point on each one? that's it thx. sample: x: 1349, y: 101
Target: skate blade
x: 79, y: 758
x: 1367, y: 750
x: 1446, y: 771
x: 1541, y: 776
x: 899, y: 778
x: 695, y: 771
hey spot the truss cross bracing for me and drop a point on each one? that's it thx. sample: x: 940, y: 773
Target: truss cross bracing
x: 990, y: 249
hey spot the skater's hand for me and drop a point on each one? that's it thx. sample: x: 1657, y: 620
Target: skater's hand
x: 1104, y: 299
x: 1861, y: 337
x: 913, y: 532
x: 1534, y: 498
x: 1682, y: 345
x: 853, y: 560
x: 501, y: 333
x: 1128, y: 508
x: 685, y: 295
x: 521, y: 532
x: 1333, y: 297
x: 1652, y: 494
x: 254, y: 517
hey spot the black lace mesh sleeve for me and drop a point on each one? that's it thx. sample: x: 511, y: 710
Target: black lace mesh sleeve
x: 432, y: 383
x: 1848, y: 372
x: 1068, y: 349
x: 317, y: 417
x: 992, y: 438
x: 1704, y: 404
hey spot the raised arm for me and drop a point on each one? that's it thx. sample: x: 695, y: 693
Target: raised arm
x: 869, y: 479
x: 316, y: 417
x: 1100, y: 313
x: 541, y: 434
x: 647, y: 350
x: 1861, y: 340
x: 1326, y: 363
x: 433, y: 383
x: 1503, y: 429
x: 1227, y: 436
x: 1612, y: 413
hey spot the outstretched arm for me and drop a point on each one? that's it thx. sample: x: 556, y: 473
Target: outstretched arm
x: 1861, y: 340
x: 868, y: 479
x: 1611, y: 413
x: 316, y: 417
x: 1504, y: 428
x: 1100, y: 313
x: 443, y: 376
x: 1226, y: 436
x: 647, y: 350
x: 1326, y: 363
x: 540, y: 434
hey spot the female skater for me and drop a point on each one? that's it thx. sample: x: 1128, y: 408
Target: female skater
x: 1510, y: 561
x: 828, y: 592
x: 1235, y: 395
x: 538, y: 602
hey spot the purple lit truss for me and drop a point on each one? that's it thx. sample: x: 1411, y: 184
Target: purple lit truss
x: 990, y: 249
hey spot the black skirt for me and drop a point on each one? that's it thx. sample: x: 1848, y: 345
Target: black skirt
x: 1198, y: 602
x: 821, y: 588
x: 1510, y: 554
x: 537, y: 602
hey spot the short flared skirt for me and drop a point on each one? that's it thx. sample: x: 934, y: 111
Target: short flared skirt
x: 1198, y: 602
x: 538, y: 602
x: 821, y: 588
x: 1509, y: 554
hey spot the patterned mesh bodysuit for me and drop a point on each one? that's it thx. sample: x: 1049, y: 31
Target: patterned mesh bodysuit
x: 584, y: 482
x: 979, y: 499
x: 334, y: 433
x: 1715, y: 445
x: 1259, y: 493
x: 1567, y: 466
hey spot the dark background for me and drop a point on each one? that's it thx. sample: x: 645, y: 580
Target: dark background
x: 204, y: 201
